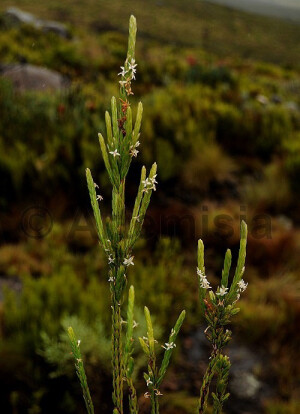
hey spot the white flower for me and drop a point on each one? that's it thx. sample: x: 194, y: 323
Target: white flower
x: 114, y: 153
x: 169, y: 346
x: 96, y: 185
x: 133, y: 149
x: 132, y: 65
x: 122, y: 83
x: 147, y: 395
x: 111, y: 279
x: 128, y: 261
x: 99, y: 197
x: 222, y: 291
x: 150, y: 183
x: 123, y: 71
x: 110, y: 259
x: 204, y: 283
x: 78, y: 342
x: 135, y: 324
x: 242, y: 285
x: 153, y: 182
x: 200, y: 273
x: 146, y: 182
x: 157, y: 392
x: 134, y: 152
x: 149, y: 382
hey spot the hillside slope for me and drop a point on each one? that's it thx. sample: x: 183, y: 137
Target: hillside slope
x: 221, y: 30
x: 285, y: 9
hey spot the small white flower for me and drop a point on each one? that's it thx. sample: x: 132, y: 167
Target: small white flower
x: 122, y: 83
x: 146, y: 182
x: 242, y: 285
x: 79, y: 360
x: 99, y: 197
x: 137, y: 144
x: 222, y: 291
x: 169, y: 346
x: 204, y: 283
x: 137, y: 218
x: 150, y: 183
x: 157, y: 392
x: 135, y: 324
x: 111, y: 279
x: 114, y: 153
x: 96, y: 185
x: 200, y: 273
x: 149, y: 382
x: 132, y: 65
x: 128, y: 261
x: 147, y: 395
x: 133, y: 152
x: 123, y: 71
x: 110, y: 259
x: 78, y: 342
x: 153, y: 182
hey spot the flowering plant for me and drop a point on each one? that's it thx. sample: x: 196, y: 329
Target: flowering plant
x: 118, y: 238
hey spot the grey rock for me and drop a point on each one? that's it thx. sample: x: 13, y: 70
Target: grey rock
x: 15, y: 16
x: 248, y: 392
x: 26, y: 77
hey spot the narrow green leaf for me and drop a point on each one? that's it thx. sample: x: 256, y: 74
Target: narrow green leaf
x: 131, y: 37
x: 201, y: 267
x: 97, y: 214
x: 240, y: 264
x: 226, y: 268
x: 75, y: 345
x: 136, y: 219
x: 114, y: 113
x: 144, y: 346
x: 129, y: 332
x: 150, y: 332
x: 137, y: 125
x: 112, y: 176
x: 168, y: 352
x: 109, y: 130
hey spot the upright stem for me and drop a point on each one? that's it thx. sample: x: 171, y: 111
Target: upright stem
x: 204, y: 392
x: 133, y: 407
x: 117, y: 362
x: 154, y: 403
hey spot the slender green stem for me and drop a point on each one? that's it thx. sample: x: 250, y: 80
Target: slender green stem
x: 75, y: 345
x: 154, y: 403
x: 133, y: 405
x: 117, y: 363
x: 204, y: 391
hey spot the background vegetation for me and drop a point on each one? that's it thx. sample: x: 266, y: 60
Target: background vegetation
x: 228, y: 144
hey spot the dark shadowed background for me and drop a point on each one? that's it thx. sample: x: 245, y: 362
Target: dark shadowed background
x: 220, y: 89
